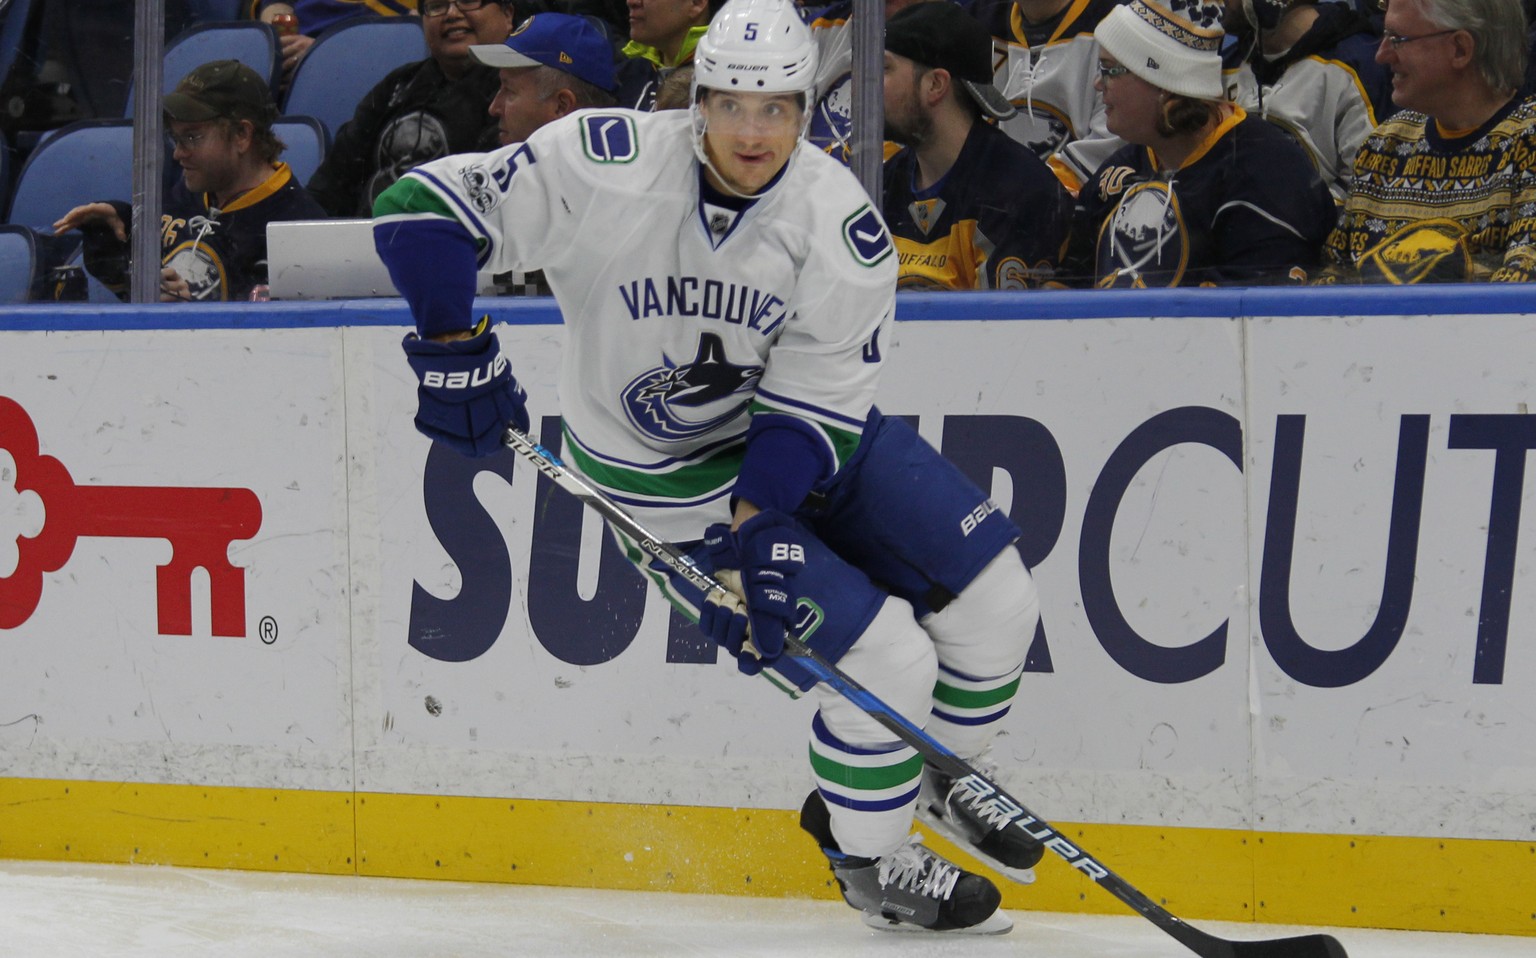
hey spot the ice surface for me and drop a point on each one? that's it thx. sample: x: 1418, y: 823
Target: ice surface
x: 67, y: 910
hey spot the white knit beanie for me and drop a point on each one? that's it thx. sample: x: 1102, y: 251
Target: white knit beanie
x: 1175, y: 48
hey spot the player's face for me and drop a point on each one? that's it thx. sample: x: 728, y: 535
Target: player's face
x: 1131, y: 104
x: 749, y: 136
x: 518, y: 107
x: 208, y: 153
x: 907, y: 120
x: 1420, y: 67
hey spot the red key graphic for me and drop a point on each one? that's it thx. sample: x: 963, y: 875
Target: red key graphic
x: 200, y: 524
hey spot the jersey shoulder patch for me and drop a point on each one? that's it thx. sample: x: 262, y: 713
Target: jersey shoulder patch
x: 609, y: 137
x: 866, y: 236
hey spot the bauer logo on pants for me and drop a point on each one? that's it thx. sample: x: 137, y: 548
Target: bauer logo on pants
x: 200, y: 524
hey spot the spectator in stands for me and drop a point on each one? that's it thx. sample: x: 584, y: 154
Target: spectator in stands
x: 1311, y: 68
x: 214, y: 228
x: 831, y: 127
x: 968, y: 206
x: 666, y: 31
x: 1446, y: 189
x: 1048, y: 60
x: 1204, y: 194
x: 420, y: 111
x: 315, y: 17
x: 553, y: 64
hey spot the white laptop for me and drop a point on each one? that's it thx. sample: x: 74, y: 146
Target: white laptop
x: 331, y: 259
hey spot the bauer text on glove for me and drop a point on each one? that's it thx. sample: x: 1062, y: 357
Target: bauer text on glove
x: 466, y: 393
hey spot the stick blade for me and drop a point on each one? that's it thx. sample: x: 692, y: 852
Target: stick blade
x: 1304, y: 946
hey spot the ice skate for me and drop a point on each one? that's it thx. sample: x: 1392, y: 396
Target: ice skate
x: 971, y: 814
x: 910, y: 889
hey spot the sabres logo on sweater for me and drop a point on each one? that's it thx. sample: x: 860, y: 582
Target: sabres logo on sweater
x: 674, y: 403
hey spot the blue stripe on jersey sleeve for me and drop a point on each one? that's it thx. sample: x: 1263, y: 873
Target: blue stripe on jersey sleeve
x: 432, y: 263
x: 466, y: 213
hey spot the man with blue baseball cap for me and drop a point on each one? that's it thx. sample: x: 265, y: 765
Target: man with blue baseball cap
x: 551, y: 65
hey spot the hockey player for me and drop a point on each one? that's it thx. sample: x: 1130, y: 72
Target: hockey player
x: 728, y: 296
x: 1204, y: 194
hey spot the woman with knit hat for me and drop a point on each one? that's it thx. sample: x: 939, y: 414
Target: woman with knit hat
x: 1203, y: 194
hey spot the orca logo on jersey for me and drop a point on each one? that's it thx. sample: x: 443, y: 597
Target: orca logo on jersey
x: 663, y: 403
x: 866, y: 236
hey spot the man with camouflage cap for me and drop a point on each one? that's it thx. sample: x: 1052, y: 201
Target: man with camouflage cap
x: 214, y: 228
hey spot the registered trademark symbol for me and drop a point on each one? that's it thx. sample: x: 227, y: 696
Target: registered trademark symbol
x: 267, y: 629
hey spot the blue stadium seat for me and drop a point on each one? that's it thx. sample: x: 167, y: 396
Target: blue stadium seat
x: 307, y: 142
x: 346, y: 62
x: 18, y: 264
x: 251, y: 42
x: 84, y: 161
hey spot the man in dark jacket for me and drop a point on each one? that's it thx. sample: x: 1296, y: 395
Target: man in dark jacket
x: 419, y: 112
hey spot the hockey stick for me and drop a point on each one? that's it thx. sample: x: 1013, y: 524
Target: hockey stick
x: 1008, y: 811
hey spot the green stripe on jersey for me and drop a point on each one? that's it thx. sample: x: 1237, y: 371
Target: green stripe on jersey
x: 687, y: 481
x: 410, y: 195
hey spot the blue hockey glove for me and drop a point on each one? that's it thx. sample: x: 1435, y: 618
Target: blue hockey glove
x: 767, y: 553
x: 466, y: 394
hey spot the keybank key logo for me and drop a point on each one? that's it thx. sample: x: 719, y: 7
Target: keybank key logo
x: 200, y: 524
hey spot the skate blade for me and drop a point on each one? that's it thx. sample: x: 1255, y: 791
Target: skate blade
x: 1024, y: 876
x: 997, y: 924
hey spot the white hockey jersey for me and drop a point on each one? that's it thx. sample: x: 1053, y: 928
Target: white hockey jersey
x: 1048, y: 72
x: 1327, y: 92
x: 684, y: 319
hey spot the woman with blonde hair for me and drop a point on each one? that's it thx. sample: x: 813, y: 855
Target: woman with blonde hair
x: 1202, y: 194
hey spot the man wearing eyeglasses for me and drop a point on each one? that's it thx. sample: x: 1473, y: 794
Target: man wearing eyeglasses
x: 214, y: 227
x: 1445, y: 190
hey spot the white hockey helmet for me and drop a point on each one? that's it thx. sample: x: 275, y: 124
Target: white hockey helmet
x: 756, y: 46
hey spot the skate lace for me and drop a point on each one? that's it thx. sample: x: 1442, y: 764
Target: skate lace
x: 982, y: 805
x: 919, y: 870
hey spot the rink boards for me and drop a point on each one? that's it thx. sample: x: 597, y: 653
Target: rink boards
x: 253, y: 620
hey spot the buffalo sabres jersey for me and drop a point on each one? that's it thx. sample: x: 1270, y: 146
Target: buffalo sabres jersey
x: 997, y: 220
x: 221, y: 253
x: 685, y: 318
x: 1246, y: 207
x: 831, y: 126
x: 1048, y: 70
x: 1433, y: 205
x: 1327, y: 91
